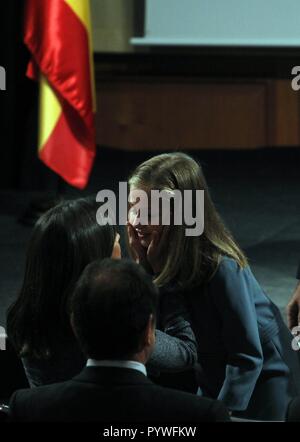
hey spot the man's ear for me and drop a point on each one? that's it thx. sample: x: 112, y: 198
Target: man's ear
x: 150, y: 332
x: 72, y: 324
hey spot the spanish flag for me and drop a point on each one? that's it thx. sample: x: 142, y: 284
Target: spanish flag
x: 58, y: 36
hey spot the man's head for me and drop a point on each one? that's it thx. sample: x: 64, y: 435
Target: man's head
x: 113, y: 311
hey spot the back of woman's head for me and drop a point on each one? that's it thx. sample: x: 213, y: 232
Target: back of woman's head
x: 190, y: 260
x: 64, y: 240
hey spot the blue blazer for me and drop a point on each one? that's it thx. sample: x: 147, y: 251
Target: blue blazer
x: 244, y: 347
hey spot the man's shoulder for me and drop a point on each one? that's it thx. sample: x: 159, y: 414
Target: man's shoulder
x: 41, y: 391
x: 190, y: 406
x: 142, y: 397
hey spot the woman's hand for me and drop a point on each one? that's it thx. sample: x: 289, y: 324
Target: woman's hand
x: 151, y: 258
x: 156, y: 255
x: 138, y: 251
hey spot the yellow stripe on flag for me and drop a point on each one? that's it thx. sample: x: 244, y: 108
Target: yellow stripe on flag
x: 82, y: 9
x: 50, y: 111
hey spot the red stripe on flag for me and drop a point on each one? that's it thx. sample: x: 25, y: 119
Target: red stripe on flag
x: 63, y: 152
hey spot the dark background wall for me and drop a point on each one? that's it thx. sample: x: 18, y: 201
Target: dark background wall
x: 20, y: 167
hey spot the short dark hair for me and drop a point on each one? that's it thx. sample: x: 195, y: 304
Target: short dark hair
x: 111, y: 307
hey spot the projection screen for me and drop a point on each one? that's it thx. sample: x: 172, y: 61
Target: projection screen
x: 221, y: 23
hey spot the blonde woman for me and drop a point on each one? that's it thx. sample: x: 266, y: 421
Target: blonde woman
x: 244, y: 347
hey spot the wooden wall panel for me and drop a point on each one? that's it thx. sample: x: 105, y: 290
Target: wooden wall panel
x: 162, y: 113
x: 283, y: 113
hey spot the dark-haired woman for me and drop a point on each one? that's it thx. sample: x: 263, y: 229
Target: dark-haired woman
x: 244, y: 347
x: 63, y: 242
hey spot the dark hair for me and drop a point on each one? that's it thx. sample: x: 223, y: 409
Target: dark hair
x: 111, y: 307
x: 64, y: 240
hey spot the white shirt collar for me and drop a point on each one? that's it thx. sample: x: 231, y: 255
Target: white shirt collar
x: 120, y: 364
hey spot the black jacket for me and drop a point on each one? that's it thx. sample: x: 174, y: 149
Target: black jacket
x: 106, y: 394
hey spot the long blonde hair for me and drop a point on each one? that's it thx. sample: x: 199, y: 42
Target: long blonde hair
x: 190, y: 260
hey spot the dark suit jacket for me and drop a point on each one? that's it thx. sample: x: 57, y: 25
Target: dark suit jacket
x: 106, y: 394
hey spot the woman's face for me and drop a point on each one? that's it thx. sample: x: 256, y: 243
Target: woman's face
x: 116, y: 253
x: 144, y: 232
